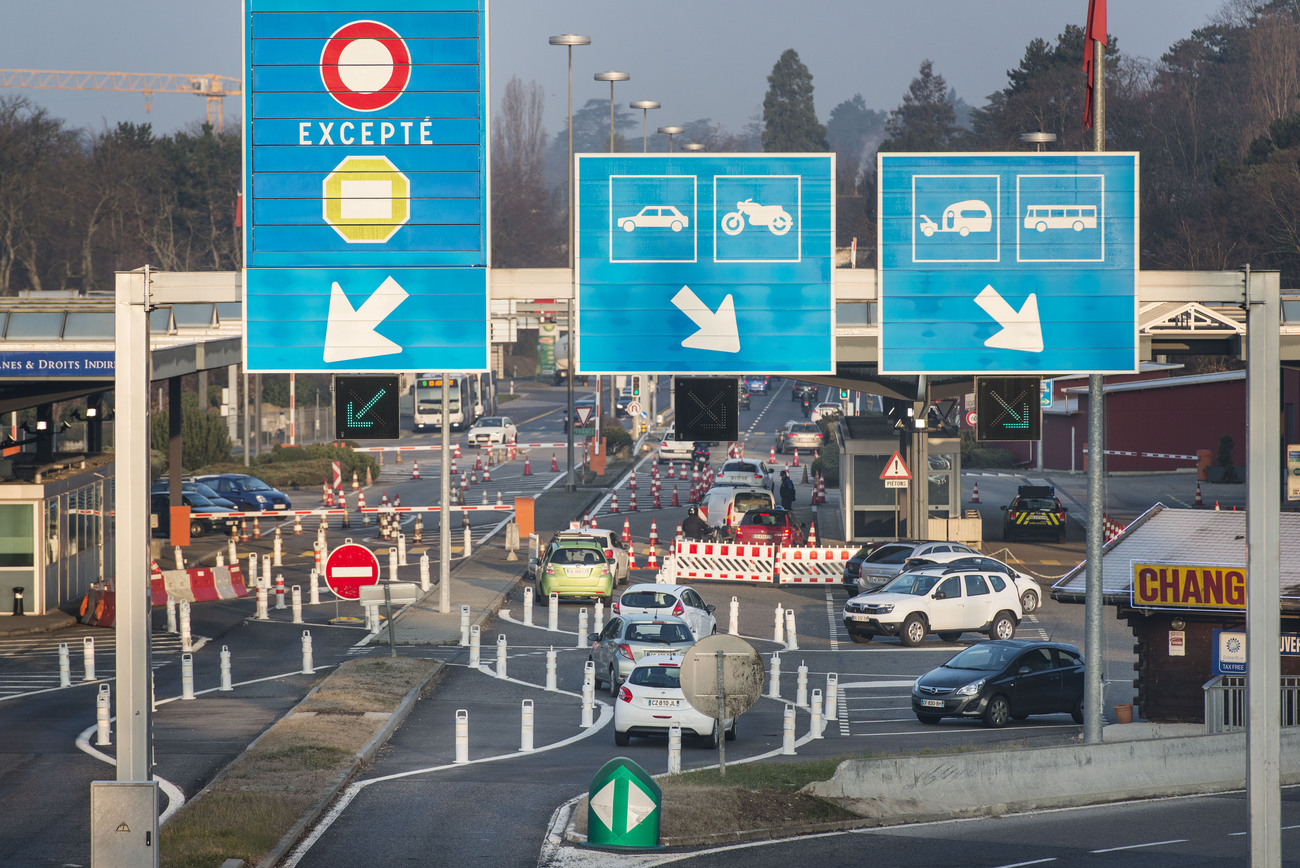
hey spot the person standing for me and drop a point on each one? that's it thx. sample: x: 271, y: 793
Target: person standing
x: 787, y: 491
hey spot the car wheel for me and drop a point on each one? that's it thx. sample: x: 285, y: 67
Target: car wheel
x: 950, y: 635
x: 1077, y: 712
x: 913, y: 632
x: 998, y: 712
x: 731, y: 730
x: 595, y: 678
x: 1028, y: 602
x: 1060, y: 537
x: 860, y: 640
x: 928, y: 719
x: 196, y: 528
x: 1004, y: 626
x: 710, y: 741
x: 621, y: 738
x: 613, y: 683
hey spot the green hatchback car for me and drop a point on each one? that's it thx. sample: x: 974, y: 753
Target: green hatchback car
x: 575, y: 569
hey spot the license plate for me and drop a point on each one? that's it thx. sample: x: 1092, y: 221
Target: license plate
x: 858, y: 617
x: 578, y: 572
x: 932, y: 703
x: 663, y: 703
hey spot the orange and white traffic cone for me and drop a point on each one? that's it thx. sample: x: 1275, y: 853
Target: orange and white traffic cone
x: 383, y: 498
x: 796, y: 458
x: 355, y: 484
x: 812, y: 534
x: 297, y: 525
x: 676, y: 501
x: 369, y: 481
x: 257, y: 530
x: 528, y: 468
x: 631, y: 557
x: 1198, y: 502
x: 627, y: 530
x: 487, y: 475
x: 455, y: 452
x: 631, y: 501
x: 415, y: 469
x: 652, y: 562
x: 361, y: 500
x: 555, y: 464
x: 654, y: 533
x: 243, y: 527
x: 613, y: 503
x: 771, y: 455
x: 975, y: 493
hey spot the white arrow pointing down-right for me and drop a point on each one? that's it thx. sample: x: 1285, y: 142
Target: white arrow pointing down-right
x: 1021, y: 330
x: 717, y: 330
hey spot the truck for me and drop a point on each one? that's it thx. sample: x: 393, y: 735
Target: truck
x: 562, y: 361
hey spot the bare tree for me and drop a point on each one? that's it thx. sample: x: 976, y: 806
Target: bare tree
x: 523, y: 223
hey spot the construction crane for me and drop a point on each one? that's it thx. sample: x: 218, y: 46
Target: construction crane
x: 214, y: 87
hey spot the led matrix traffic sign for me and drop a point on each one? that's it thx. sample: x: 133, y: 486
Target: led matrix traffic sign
x: 1008, y: 408
x: 366, y: 408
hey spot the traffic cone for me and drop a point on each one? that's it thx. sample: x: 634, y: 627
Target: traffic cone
x: 821, y: 488
x: 464, y: 483
x: 325, y: 497
x: 1198, y: 502
x: 399, y: 458
x: 975, y: 493
x: 654, y: 500
x: 632, y: 482
x: 361, y: 500
x: 487, y: 475
x: 804, y: 481
x: 796, y: 457
x: 454, y: 471
x: 297, y: 525
x: 627, y: 531
x: 652, y: 563
x: 654, y: 533
x: 528, y: 468
x: 678, y: 535
x: 415, y: 469
x: 631, y: 501
x: 473, y: 476
x: 455, y: 452
x: 418, y: 536
x: 243, y: 527
x: 1216, y: 505
x: 555, y: 464
x: 381, y: 459
x: 631, y: 557
x: 613, y: 504
x: 397, y: 500
x: 501, y: 504
x: 676, y: 501
x: 257, y: 530
x: 383, y: 498
x: 771, y: 455
x: 478, y: 461
x: 355, y: 484
x: 812, y: 534
x: 369, y: 481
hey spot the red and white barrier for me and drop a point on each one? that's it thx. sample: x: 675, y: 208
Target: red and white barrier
x: 200, y: 585
x: 812, y: 566
x: 721, y: 562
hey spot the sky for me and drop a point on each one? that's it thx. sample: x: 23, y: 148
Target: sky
x: 702, y: 59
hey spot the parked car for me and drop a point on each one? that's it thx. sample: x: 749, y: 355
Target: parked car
x: 679, y: 601
x: 744, y: 471
x: 611, y: 545
x: 769, y: 526
x: 1034, y: 510
x: 798, y: 435
x: 160, y: 505
x: 725, y: 505
x: 825, y: 410
x: 651, y: 702
x: 162, y: 486
x: 1003, y: 680
x: 675, y: 450
x: 877, y: 563
x: 492, y: 431
x: 246, y: 492
x: 625, y: 639
x: 1031, y: 595
x: 944, y: 600
x: 574, y: 569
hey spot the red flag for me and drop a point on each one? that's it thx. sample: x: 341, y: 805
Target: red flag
x: 1096, y: 32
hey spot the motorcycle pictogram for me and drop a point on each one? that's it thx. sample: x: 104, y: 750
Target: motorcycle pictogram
x: 774, y: 217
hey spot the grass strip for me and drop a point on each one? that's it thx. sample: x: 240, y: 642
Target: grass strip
x: 299, y: 761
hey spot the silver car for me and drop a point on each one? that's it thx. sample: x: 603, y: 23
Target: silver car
x: 798, y: 435
x: 625, y: 639
x: 888, y: 560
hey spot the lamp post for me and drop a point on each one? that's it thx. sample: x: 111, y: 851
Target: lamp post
x: 611, y: 77
x: 645, y: 105
x: 670, y: 132
x: 569, y: 40
x: 1038, y: 138
x: 693, y: 147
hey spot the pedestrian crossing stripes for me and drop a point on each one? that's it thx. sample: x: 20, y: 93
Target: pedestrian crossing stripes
x: 31, y: 663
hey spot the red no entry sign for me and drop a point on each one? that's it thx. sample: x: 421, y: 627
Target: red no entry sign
x: 349, y: 567
x: 365, y: 66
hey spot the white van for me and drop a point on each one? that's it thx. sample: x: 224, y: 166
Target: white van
x: 725, y: 505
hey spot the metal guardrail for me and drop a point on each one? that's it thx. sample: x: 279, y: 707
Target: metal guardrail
x: 1225, y: 703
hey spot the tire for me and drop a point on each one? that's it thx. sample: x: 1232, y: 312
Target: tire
x: 997, y: 712
x: 621, y: 738
x: 196, y: 528
x: 1028, y: 602
x: 731, y: 730
x: 928, y: 719
x: 1077, y: 712
x: 710, y: 741
x: 613, y: 684
x: 1003, y: 626
x: 861, y: 640
x: 913, y: 631
x: 595, y: 676
x: 950, y: 635
x: 1060, y: 537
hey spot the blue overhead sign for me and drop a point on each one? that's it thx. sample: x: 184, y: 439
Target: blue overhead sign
x: 705, y: 264
x: 365, y: 194
x: 1008, y: 263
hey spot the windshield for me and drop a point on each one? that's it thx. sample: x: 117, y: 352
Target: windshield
x: 910, y: 583
x: 657, y: 676
x: 192, y: 499
x: 889, y: 555
x: 490, y: 422
x: 805, y: 428
x: 985, y: 658
x: 647, y: 631
x: 252, y: 483
x: 739, y: 467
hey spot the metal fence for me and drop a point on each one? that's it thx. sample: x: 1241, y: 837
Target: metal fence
x: 1225, y: 703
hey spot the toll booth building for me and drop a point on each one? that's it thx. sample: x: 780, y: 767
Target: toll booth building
x: 1177, y: 578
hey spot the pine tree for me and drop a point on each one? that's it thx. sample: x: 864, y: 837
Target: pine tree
x: 926, y: 121
x: 789, y: 121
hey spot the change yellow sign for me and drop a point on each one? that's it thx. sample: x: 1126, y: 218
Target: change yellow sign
x: 1188, y: 586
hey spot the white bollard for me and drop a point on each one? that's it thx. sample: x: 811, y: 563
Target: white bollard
x: 469, y: 540
x: 815, y: 727
x: 675, y: 749
x: 787, y: 732
x: 801, y: 686
x: 778, y: 626
x: 103, y: 713
x: 791, y: 635
x: 266, y: 570
x: 171, y: 614
x: 295, y: 594
x: 307, y: 667
x: 550, y: 670
x: 501, y: 655
x: 153, y: 690
x: 225, y: 669
x: 232, y: 554
x: 588, y: 693
x: 401, y: 549
x: 582, y: 627
x: 474, y: 645
x: 832, y: 695
x: 528, y: 606
x: 392, y: 563
x: 314, y: 598
x: 277, y: 550
x: 263, y: 613
x: 462, y: 736
x: 221, y: 558
x: 88, y: 656
x: 65, y: 666
x: 526, y: 726
x: 178, y: 557
x: 553, y: 613
x: 424, y: 572
x: 187, y: 640
x: 734, y: 626
x: 187, y: 676
x: 598, y: 616
x: 252, y: 571
x: 774, y: 678
x: 464, y: 626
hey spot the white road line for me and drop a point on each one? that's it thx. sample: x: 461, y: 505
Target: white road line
x: 1030, y: 862
x: 1141, y: 846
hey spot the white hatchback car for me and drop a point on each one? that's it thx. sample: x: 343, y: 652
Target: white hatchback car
x: 944, y: 600
x: 611, y: 542
x: 745, y: 471
x: 492, y: 431
x: 651, y: 701
x: 655, y: 216
x: 681, y: 601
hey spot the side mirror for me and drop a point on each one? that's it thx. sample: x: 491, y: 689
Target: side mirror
x: 1065, y: 509
x: 710, y: 608
x: 940, y: 595
x: 593, y: 637
x: 1023, y: 670
x: 1004, y: 508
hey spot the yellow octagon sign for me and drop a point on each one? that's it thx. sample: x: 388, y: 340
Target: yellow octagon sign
x: 366, y: 199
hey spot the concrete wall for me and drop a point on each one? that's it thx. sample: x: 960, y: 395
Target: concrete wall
x: 1035, y: 778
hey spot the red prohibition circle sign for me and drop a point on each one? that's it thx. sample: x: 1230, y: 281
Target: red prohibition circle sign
x: 365, y: 66
x: 349, y: 567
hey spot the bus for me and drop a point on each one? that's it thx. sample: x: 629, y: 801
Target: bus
x: 1076, y: 217
x: 472, y: 396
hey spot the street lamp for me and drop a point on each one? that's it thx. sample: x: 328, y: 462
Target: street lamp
x: 645, y: 105
x: 611, y: 77
x: 569, y: 40
x: 1038, y: 138
x: 693, y: 146
x: 670, y: 132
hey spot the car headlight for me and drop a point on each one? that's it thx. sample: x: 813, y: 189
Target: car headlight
x: 884, y: 608
x: 971, y: 689
x: 261, y: 498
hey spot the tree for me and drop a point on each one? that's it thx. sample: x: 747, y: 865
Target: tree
x: 854, y: 132
x: 524, y: 226
x: 926, y: 120
x: 33, y: 147
x: 789, y: 120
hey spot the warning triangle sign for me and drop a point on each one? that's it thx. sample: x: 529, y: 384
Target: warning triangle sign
x: 896, y: 469
x: 583, y: 413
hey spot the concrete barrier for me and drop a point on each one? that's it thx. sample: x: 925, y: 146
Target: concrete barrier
x: 970, y: 784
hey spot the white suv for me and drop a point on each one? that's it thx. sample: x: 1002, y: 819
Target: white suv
x: 948, y: 601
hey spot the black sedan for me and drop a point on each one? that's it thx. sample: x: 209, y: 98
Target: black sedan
x: 213, y: 521
x: 1001, y: 680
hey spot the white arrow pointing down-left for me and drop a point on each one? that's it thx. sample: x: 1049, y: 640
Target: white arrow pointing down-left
x: 350, y: 333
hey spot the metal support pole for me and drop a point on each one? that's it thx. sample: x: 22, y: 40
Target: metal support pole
x: 444, y: 517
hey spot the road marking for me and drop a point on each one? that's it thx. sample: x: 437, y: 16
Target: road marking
x: 1140, y: 846
x: 1030, y: 862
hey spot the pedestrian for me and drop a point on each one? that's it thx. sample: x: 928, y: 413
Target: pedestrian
x: 787, y: 491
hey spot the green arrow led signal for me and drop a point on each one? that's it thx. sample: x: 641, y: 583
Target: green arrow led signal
x: 1021, y: 421
x: 354, y: 420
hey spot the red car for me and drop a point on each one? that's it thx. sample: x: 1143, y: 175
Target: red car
x: 774, y: 526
